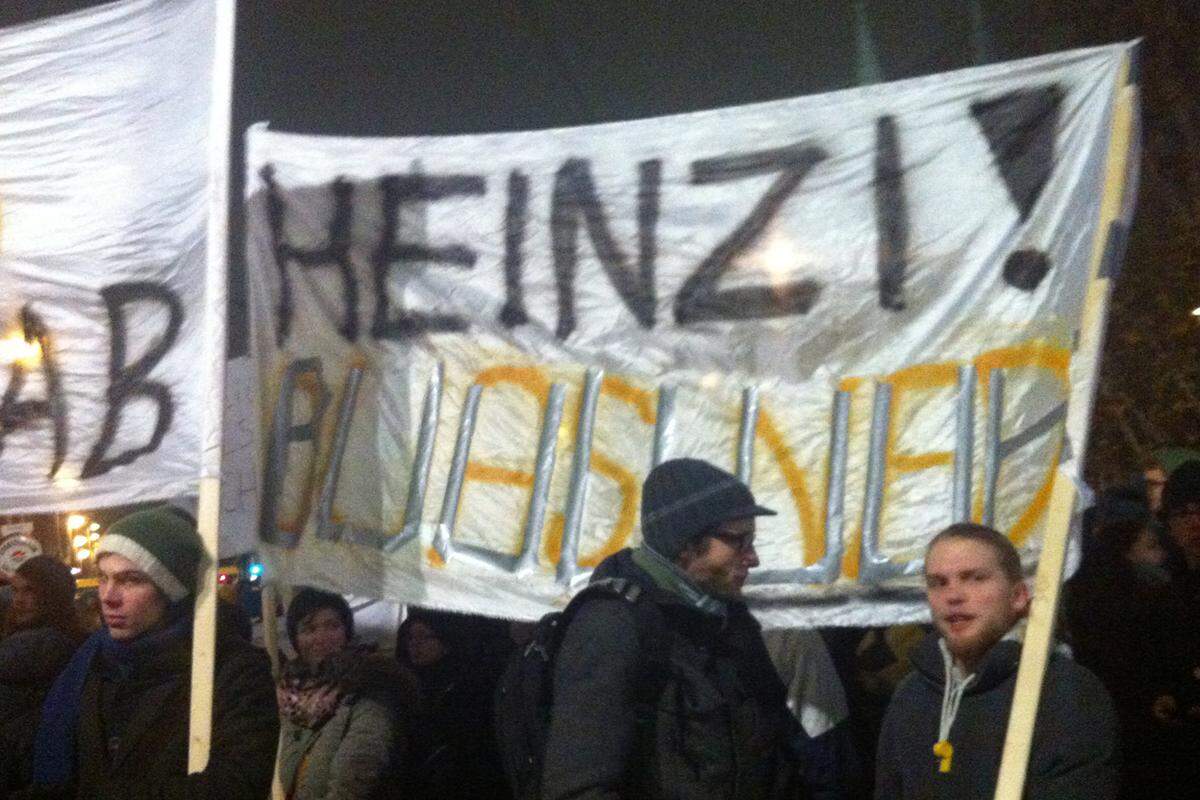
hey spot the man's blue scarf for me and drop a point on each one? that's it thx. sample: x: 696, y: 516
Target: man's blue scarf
x: 54, y: 744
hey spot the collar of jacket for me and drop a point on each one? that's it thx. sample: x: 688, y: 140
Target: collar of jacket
x: 670, y: 578
x: 997, y: 666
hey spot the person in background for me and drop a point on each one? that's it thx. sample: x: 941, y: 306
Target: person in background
x: 345, y: 709
x: 454, y: 751
x: 115, y: 724
x: 1128, y: 626
x: 817, y: 700
x: 943, y: 733
x: 1181, y: 518
x: 87, y: 609
x: 41, y: 631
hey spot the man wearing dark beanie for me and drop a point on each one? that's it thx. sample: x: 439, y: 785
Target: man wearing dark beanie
x: 667, y: 690
x: 115, y: 724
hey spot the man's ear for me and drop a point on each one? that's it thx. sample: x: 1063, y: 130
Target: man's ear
x: 686, y: 556
x: 1021, y: 599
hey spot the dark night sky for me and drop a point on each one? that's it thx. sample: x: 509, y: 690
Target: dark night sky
x: 409, y: 67
x: 372, y: 67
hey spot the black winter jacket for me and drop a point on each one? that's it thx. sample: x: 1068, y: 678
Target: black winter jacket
x: 1074, y: 739
x: 30, y: 660
x: 719, y: 727
x: 150, y: 760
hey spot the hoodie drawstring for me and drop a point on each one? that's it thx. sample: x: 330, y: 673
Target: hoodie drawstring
x: 952, y: 694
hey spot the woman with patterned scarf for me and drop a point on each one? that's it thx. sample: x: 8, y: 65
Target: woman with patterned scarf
x: 344, y: 709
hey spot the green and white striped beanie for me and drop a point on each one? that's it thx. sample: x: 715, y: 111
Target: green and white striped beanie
x: 162, y: 543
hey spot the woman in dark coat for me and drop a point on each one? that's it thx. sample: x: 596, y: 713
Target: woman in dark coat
x: 453, y: 748
x: 41, y: 631
x: 345, y: 710
x: 1129, y: 626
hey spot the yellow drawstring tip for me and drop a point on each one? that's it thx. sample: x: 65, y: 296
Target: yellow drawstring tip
x: 945, y: 751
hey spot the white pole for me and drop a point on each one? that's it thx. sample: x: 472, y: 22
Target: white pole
x: 270, y: 622
x: 212, y: 384
x: 270, y: 625
x: 1039, y: 633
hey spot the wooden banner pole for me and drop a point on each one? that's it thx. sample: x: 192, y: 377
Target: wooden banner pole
x: 1039, y: 634
x: 208, y: 515
x: 270, y: 598
x: 204, y: 630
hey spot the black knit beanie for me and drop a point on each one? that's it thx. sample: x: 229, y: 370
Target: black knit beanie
x: 684, y: 498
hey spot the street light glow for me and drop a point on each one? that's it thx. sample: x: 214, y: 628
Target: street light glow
x: 82, y: 554
x: 79, y: 541
x: 1196, y: 311
x: 75, y: 521
x: 15, y: 350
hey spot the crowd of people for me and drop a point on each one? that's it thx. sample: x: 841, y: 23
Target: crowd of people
x: 659, y: 683
x: 1133, y: 615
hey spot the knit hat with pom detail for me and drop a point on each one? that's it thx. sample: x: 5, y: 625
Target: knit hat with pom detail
x: 163, y: 543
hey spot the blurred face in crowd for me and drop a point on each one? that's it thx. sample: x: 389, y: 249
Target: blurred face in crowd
x: 423, y: 646
x: 721, y: 561
x: 1146, y: 549
x: 1156, y: 479
x: 24, y: 609
x: 320, y: 635
x: 1184, y: 526
x: 972, y: 601
x: 130, y: 603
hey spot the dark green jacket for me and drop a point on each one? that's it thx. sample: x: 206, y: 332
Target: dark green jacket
x: 718, y: 728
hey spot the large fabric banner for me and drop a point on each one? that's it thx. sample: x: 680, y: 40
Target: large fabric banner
x: 103, y: 178
x: 473, y: 348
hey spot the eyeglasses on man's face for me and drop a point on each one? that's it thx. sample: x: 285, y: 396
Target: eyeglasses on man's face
x: 741, y: 542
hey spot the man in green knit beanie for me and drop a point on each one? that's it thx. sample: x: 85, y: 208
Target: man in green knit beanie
x: 115, y: 724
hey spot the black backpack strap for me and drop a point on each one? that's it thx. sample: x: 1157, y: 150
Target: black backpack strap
x: 654, y: 639
x: 651, y: 625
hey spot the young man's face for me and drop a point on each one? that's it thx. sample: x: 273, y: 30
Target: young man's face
x: 130, y: 603
x: 972, y: 601
x: 723, y: 559
x: 23, y: 610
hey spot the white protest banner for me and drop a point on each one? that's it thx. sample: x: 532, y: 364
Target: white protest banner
x: 866, y: 303
x: 103, y: 179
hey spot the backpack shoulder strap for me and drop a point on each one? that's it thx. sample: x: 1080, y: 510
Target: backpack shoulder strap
x: 647, y: 614
x: 654, y: 639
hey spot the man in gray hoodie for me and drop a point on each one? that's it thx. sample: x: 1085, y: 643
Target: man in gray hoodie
x: 943, y: 733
